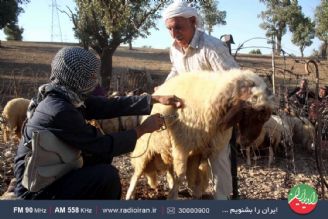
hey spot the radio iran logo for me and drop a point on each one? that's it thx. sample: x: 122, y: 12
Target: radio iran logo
x: 302, y: 199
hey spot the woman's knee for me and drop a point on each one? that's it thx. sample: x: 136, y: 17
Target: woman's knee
x: 108, y: 182
x: 113, y: 185
x: 107, y: 173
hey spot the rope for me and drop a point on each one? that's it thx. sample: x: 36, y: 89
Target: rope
x: 164, y: 127
x: 147, y: 145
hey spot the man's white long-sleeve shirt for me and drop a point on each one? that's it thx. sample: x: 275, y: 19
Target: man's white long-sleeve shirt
x: 205, y: 53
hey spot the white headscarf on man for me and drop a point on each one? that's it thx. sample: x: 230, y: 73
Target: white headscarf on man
x: 180, y: 8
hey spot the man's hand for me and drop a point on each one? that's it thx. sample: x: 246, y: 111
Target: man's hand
x: 168, y: 100
x: 151, y: 124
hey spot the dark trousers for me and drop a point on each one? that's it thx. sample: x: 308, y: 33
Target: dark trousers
x: 100, y: 181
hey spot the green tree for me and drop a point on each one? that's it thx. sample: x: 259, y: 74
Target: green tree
x: 211, y: 15
x: 9, y: 11
x: 80, y: 27
x: 13, y: 32
x: 255, y: 51
x: 321, y: 28
x: 303, y: 33
x: 276, y: 17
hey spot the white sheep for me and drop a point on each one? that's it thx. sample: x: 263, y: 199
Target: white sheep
x: 14, y: 114
x: 122, y: 123
x: 213, y: 104
x: 198, y: 173
x: 303, y: 133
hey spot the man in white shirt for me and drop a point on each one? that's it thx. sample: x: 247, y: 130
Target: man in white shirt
x: 194, y: 50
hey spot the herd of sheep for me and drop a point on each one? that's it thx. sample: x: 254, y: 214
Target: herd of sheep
x: 195, y: 134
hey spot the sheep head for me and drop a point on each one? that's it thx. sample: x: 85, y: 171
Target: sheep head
x: 251, y: 123
x: 250, y: 107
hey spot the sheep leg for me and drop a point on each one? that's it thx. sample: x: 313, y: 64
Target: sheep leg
x: 130, y: 193
x: 256, y: 152
x: 270, y: 156
x: 170, y: 177
x: 180, y: 167
x: 200, y: 181
x: 248, y: 156
x: 197, y: 191
x: 5, y: 134
x: 194, y: 175
x: 152, y: 179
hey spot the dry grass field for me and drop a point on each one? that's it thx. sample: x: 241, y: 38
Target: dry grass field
x: 26, y: 65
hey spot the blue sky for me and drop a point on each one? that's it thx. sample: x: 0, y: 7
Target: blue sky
x: 242, y: 23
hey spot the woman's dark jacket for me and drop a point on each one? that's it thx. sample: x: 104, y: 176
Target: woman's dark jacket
x: 68, y: 123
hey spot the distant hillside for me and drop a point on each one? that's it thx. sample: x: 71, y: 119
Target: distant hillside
x: 26, y: 65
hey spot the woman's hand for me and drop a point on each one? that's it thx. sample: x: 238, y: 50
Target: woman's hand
x: 168, y: 100
x: 151, y: 124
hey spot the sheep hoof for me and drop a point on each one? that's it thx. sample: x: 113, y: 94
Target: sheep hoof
x: 130, y: 197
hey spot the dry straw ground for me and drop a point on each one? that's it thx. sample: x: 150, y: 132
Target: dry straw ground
x: 26, y: 65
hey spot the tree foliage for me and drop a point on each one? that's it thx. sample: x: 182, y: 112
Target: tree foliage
x: 255, y: 51
x: 277, y: 16
x: 321, y: 28
x: 13, y: 32
x: 211, y: 14
x: 9, y: 11
x: 303, y: 33
x: 302, y: 28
